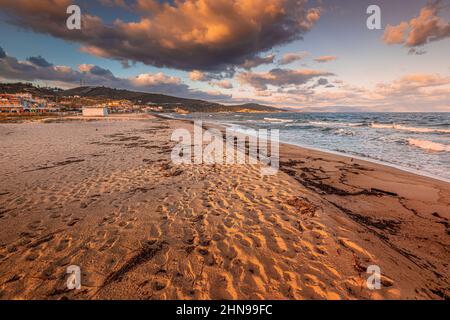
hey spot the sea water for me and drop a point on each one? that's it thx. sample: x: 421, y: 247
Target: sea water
x: 418, y: 142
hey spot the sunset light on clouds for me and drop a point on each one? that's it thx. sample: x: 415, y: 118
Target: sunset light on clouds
x: 283, y: 53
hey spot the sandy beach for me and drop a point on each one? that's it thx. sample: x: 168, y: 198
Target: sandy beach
x: 104, y: 195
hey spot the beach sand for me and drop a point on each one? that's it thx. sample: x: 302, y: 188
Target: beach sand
x: 104, y: 195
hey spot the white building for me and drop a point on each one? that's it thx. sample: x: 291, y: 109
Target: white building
x: 95, y: 112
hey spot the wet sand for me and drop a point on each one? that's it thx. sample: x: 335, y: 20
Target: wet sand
x: 105, y: 195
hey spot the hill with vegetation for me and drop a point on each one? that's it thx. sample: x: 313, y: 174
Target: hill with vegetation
x: 90, y: 95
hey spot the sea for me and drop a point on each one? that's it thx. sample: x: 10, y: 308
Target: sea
x: 416, y: 142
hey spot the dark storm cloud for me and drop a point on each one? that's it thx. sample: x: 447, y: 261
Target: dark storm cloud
x: 39, y: 61
x: 98, y: 71
x: 280, y: 77
x: 257, y: 61
x: 217, y: 34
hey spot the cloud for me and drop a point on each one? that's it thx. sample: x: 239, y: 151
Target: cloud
x: 39, y: 62
x: 11, y: 68
x: 412, y: 85
x: 202, y: 76
x: 395, y: 34
x: 417, y: 52
x: 96, y: 70
x: 222, y: 84
x: 39, y: 69
x: 420, y: 30
x: 85, y: 67
x: 409, y: 93
x: 217, y: 34
x: 322, y: 82
x: 212, y: 95
x: 147, y: 79
x: 198, y: 75
x: 257, y: 61
x: 280, y: 77
x: 324, y: 59
x: 292, y: 57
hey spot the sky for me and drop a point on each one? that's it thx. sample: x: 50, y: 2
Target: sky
x: 285, y: 53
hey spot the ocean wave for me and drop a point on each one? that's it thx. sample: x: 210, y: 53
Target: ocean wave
x: 406, y: 128
x: 344, y: 132
x: 278, y: 120
x: 335, y: 124
x: 429, y: 145
x: 300, y: 125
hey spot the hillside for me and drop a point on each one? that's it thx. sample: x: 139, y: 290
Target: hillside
x: 21, y: 87
x: 102, y: 94
x: 190, y: 105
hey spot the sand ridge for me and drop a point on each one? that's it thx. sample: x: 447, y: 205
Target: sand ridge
x: 104, y: 195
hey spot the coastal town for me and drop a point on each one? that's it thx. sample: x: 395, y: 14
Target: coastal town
x: 25, y: 104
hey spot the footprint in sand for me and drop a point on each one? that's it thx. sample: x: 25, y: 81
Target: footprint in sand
x: 73, y: 222
x: 63, y: 244
x: 109, y: 243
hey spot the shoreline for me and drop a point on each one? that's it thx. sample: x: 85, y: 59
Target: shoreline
x: 336, y: 153
x: 373, y: 161
x: 222, y: 126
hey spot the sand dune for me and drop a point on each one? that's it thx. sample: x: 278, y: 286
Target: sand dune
x: 104, y: 195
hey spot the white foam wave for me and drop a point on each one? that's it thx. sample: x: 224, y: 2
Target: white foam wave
x: 429, y: 145
x: 406, y: 128
x: 278, y: 120
x: 334, y: 124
